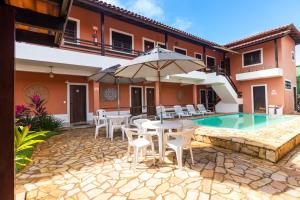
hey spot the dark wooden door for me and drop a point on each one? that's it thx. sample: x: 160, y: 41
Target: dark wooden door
x: 77, y: 103
x: 136, y: 100
x: 150, y: 95
x: 203, y: 97
x: 211, y: 99
x: 259, y: 99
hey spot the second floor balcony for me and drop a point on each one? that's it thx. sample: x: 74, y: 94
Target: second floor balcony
x: 117, y: 49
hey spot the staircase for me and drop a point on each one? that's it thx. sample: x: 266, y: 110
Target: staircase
x: 226, y: 90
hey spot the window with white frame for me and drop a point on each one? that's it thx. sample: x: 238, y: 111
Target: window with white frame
x: 287, y: 84
x: 71, y: 31
x: 148, y: 45
x: 180, y: 50
x: 121, y: 41
x: 198, y: 56
x: 252, y: 58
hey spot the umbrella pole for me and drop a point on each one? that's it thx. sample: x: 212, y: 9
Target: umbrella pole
x: 118, y: 96
x: 161, y: 115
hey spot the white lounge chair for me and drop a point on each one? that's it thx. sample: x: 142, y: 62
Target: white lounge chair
x: 182, y: 141
x: 137, y: 144
x: 180, y: 113
x: 165, y: 115
x: 203, y: 110
x: 192, y: 111
x: 100, y: 122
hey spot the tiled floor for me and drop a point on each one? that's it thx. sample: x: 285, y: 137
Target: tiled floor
x: 74, y: 165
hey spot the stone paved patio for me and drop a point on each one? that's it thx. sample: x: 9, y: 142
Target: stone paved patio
x: 74, y: 165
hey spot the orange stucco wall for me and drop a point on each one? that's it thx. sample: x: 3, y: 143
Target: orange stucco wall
x: 277, y: 94
x: 57, y: 89
x: 88, y: 19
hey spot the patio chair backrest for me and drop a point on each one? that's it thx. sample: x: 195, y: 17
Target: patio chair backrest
x: 133, y: 118
x: 190, y: 108
x: 99, y: 120
x: 129, y: 133
x: 178, y: 109
x: 187, y: 136
x: 101, y: 112
x: 201, y: 108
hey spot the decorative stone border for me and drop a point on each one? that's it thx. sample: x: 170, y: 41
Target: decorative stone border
x: 270, y: 143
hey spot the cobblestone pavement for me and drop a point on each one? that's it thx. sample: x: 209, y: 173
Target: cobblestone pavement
x: 74, y: 165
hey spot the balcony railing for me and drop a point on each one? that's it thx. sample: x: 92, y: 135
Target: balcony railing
x: 254, y: 68
x: 118, y: 49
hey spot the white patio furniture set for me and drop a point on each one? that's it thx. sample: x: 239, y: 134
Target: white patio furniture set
x: 141, y: 131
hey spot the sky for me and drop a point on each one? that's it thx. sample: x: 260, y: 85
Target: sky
x: 220, y: 21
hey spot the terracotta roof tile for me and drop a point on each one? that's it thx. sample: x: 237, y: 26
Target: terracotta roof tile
x: 276, y: 32
x: 151, y: 21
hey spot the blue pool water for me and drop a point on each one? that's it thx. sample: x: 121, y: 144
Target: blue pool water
x: 242, y: 121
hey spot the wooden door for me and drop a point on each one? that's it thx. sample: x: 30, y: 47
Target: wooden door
x: 295, y: 98
x: 136, y: 100
x: 150, y: 96
x: 203, y: 98
x: 259, y: 99
x: 211, y: 99
x: 78, y: 103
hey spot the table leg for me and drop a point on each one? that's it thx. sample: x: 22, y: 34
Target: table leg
x: 161, y: 148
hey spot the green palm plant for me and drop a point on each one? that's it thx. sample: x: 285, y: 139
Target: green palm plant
x: 24, y: 141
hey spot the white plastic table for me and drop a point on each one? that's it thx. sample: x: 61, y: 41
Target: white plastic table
x: 166, y: 125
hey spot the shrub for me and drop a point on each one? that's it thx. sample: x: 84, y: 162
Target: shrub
x: 24, y: 143
x: 39, y: 123
x: 36, y: 115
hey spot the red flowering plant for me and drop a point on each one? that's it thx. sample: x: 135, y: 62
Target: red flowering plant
x: 22, y: 111
x: 37, y: 105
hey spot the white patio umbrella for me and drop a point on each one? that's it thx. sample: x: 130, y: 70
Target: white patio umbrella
x: 159, y: 62
x: 108, y: 76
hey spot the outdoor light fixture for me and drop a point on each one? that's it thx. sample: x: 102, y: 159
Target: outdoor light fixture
x: 51, y: 74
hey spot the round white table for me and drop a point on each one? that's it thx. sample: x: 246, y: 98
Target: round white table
x: 161, y: 127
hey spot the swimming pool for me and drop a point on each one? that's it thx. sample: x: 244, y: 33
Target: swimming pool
x: 242, y: 121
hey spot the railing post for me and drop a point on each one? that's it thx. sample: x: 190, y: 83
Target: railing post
x: 102, y: 35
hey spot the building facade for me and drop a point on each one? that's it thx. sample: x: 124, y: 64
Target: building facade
x: 247, y: 75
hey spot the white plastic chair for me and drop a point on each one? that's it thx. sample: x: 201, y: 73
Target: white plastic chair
x: 116, y: 123
x: 133, y: 118
x: 180, y: 113
x: 100, y: 122
x: 203, y: 110
x: 162, y: 110
x: 192, y: 111
x: 182, y: 141
x: 101, y: 112
x: 137, y: 144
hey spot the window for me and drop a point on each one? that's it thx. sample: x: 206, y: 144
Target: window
x: 121, y: 42
x: 71, y: 32
x: 198, y: 56
x: 252, y: 58
x: 162, y: 45
x: 293, y: 56
x: 210, y: 61
x: 287, y: 84
x: 181, y: 51
x: 148, y: 45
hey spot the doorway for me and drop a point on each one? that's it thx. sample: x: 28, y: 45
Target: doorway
x: 136, y: 106
x: 150, y: 101
x: 78, y: 103
x: 203, y: 97
x: 295, y: 98
x: 259, y: 99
